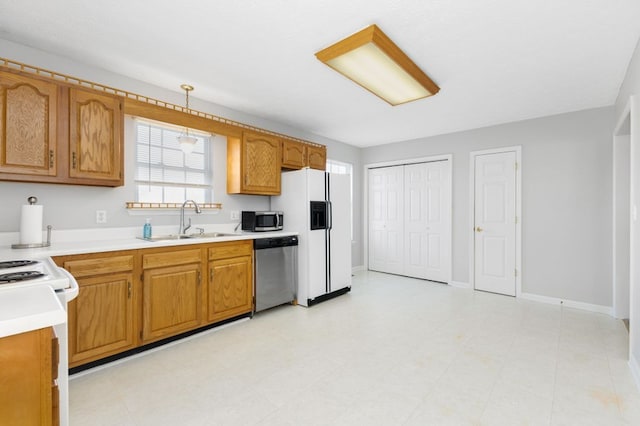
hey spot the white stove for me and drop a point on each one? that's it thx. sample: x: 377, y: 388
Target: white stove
x: 27, y: 272
x: 40, y: 272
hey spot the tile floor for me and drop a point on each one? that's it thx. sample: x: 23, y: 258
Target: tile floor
x: 395, y: 351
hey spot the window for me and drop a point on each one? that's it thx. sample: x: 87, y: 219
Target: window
x: 339, y: 167
x: 164, y: 174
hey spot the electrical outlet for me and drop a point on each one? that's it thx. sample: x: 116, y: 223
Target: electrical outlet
x: 101, y: 216
x: 235, y: 215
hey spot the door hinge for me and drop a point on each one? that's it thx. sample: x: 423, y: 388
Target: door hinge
x: 516, y: 166
x: 211, y: 275
x: 142, y: 277
x: 515, y: 272
x: 516, y: 219
x: 199, y: 278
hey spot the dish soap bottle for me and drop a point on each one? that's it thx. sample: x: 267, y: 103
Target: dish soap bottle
x: 146, y: 230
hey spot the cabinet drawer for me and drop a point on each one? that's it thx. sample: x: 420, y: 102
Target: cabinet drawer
x: 171, y: 258
x: 230, y: 249
x: 97, y: 266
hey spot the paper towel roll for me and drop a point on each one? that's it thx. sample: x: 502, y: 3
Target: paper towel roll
x: 31, y: 224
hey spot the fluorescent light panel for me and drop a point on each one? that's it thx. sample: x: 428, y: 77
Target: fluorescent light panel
x: 373, y: 61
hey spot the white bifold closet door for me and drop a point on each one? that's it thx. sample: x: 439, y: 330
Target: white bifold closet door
x: 410, y: 220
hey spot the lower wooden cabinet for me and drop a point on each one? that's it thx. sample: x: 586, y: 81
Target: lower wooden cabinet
x: 230, y: 289
x: 171, y: 301
x: 101, y: 319
x: 27, y: 377
x: 131, y: 298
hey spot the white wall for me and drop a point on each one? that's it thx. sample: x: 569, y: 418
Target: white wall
x: 73, y: 207
x: 566, y: 185
x: 631, y: 87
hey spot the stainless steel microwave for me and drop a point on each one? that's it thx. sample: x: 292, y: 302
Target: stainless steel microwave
x: 262, y: 221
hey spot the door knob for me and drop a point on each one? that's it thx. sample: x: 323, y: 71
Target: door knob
x: 478, y: 229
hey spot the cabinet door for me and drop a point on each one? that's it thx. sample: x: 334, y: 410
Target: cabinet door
x: 293, y: 154
x: 171, y: 301
x: 317, y: 157
x: 26, y: 379
x: 260, y: 164
x: 95, y: 136
x: 230, y: 288
x: 28, y: 111
x: 101, y: 318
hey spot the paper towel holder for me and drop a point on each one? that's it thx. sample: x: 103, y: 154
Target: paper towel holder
x: 32, y: 200
x: 45, y: 244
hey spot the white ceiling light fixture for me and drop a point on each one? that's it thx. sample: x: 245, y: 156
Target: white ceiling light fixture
x: 372, y: 60
x: 187, y: 142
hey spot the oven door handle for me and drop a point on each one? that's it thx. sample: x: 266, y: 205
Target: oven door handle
x: 73, y: 290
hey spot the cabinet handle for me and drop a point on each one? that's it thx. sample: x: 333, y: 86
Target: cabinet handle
x: 129, y: 289
x: 199, y: 278
x: 51, y: 159
x: 211, y: 275
x: 73, y: 160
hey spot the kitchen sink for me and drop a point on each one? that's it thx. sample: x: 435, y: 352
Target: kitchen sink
x: 210, y: 235
x: 187, y: 236
x: 167, y: 237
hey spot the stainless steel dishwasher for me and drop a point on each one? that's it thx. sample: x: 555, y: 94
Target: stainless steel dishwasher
x: 276, y: 271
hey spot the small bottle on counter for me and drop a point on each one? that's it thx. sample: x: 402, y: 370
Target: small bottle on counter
x: 146, y: 229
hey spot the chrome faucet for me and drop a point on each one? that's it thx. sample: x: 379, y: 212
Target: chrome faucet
x: 183, y: 229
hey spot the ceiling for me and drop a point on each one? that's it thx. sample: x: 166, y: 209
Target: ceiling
x: 495, y: 61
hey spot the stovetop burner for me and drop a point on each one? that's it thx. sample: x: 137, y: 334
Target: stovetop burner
x: 16, y: 263
x: 19, y: 276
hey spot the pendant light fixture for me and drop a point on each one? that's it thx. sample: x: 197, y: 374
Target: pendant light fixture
x: 187, y: 142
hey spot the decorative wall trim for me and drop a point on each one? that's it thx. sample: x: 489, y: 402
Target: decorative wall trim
x: 568, y: 303
x: 459, y: 284
x: 9, y: 64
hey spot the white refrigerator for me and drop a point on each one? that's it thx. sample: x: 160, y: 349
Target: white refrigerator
x: 317, y: 205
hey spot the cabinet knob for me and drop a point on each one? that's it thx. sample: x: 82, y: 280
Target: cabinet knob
x: 51, y: 159
x: 478, y: 229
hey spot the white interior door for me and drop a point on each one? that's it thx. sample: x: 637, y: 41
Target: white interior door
x: 495, y: 223
x: 410, y: 220
x: 427, y: 230
x: 416, y: 228
x: 438, y: 220
x: 386, y: 219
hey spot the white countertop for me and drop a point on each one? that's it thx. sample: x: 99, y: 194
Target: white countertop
x: 29, y: 308
x: 114, y: 239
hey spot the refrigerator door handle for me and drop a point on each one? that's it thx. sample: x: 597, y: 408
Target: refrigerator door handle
x: 330, y: 214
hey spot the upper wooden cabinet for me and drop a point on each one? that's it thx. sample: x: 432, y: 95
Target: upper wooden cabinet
x: 253, y: 164
x: 54, y: 133
x: 317, y: 157
x: 28, y: 125
x: 95, y: 136
x: 294, y: 154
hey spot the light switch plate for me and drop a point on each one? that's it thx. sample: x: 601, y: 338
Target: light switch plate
x: 235, y: 215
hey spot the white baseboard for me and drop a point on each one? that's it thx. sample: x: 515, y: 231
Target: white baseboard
x: 568, y: 303
x: 358, y: 268
x: 635, y: 369
x: 459, y: 284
